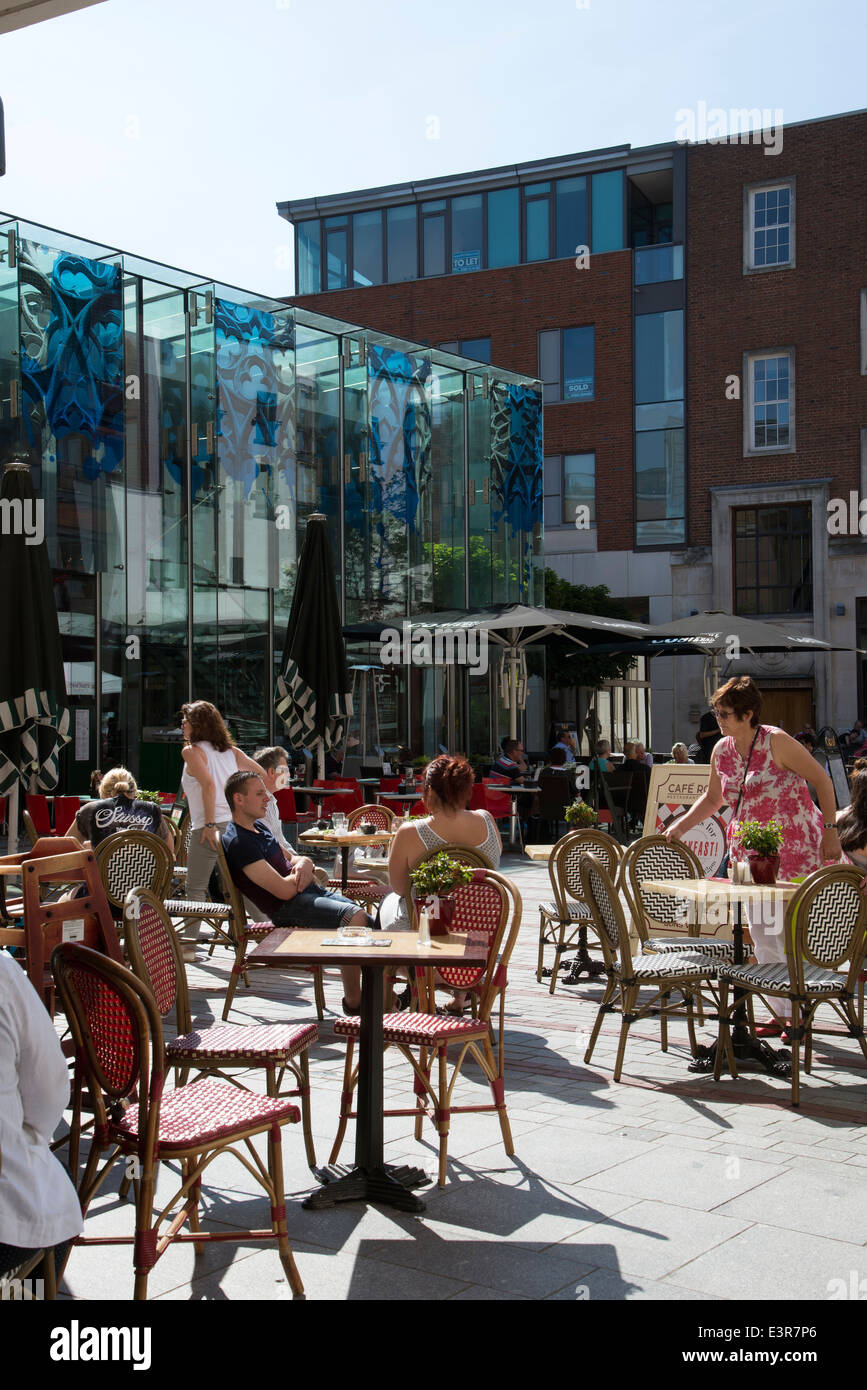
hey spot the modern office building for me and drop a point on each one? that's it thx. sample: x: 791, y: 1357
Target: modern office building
x: 704, y: 385
x: 180, y: 432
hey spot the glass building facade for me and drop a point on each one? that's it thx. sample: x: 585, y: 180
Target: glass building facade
x: 180, y: 434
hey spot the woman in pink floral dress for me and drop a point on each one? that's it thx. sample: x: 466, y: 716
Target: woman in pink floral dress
x: 777, y: 769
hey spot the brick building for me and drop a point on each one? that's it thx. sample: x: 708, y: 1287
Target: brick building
x: 698, y: 316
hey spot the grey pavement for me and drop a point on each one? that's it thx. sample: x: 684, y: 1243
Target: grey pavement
x: 667, y: 1186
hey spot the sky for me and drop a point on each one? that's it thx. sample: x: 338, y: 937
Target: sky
x: 171, y: 128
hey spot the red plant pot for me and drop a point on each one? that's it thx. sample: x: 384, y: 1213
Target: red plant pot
x: 439, y: 926
x: 764, y: 867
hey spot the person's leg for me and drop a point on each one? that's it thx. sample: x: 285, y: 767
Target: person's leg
x: 329, y: 911
x: 201, y: 859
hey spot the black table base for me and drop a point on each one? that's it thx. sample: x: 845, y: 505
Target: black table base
x: 386, y: 1185
x: 752, y: 1055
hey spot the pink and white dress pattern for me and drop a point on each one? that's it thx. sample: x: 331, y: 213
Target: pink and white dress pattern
x: 772, y: 793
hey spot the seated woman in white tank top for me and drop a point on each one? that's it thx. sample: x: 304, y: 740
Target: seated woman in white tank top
x: 447, y: 784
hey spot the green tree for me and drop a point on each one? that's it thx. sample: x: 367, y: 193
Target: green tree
x: 568, y: 665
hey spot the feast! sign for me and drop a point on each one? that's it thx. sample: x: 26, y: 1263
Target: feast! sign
x: 673, y: 789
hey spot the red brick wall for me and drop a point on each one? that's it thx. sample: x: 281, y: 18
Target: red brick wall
x: 510, y: 306
x: 813, y: 308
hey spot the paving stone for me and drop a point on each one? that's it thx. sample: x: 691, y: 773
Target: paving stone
x: 695, y: 1180
x: 767, y: 1262
x: 830, y: 1205
x: 606, y: 1285
x: 654, y: 1238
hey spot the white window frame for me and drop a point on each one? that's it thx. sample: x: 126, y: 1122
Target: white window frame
x: 750, y: 446
x: 750, y: 191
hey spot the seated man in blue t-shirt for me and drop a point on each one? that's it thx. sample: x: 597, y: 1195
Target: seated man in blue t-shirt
x: 282, y: 887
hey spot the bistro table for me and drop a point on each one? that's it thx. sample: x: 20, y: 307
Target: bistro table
x: 721, y: 893
x: 514, y: 790
x: 371, y: 1179
x: 344, y: 841
x: 407, y: 798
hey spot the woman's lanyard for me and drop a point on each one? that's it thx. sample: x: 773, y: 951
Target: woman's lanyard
x: 746, y: 770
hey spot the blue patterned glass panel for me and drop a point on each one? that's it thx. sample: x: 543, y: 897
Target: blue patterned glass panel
x: 517, y: 480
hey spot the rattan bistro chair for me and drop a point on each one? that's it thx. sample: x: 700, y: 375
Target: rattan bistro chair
x: 243, y: 934
x: 487, y: 909
x: 655, y: 857
x: 825, y: 925
x: 368, y: 892
x: 568, y: 912
x: 685, y: 972
x: 133, y: 859
x: 213, y: 1049
x: 118, y: 1039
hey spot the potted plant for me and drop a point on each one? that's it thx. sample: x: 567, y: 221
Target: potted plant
x: 142, y: 795
x: 762, y: 841
x: 580, y: 815
x: 433, y: 882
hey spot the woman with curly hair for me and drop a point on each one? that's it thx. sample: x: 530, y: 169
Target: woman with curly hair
x: 210, y: 757
x: 852, y: 820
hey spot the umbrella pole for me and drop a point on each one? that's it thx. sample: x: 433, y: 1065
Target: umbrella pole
x: 320, y: 758
x: 513, y: 692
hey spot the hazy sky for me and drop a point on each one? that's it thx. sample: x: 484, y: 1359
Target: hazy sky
x: 170, y: 128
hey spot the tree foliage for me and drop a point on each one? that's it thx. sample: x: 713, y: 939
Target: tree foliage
x: 567, y: 664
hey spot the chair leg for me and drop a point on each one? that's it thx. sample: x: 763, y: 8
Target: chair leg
x: 278, y: 1210
x: 443, y: 1116
x: 558, y: 952
x: 663, y: 1021
x: 237, y: 971
x: 724, y: 1041
x: 345, y: 1101
x: 604, y: 1008
x: 420, y: 1094
x: 144, y: 1215
x: 194, y: 1196
x: 306, y: 1125
x: 690, y: 1021
x: 541, y: 957
x: 796, y: 1055
x: 498, y: 1086
x: 318, y: 992
x: 629, y: 998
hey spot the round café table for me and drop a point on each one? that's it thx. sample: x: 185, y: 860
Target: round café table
x: 719, y: 895
x: 344, y: 841
x: 371, y: 1179
x: 321, y: 794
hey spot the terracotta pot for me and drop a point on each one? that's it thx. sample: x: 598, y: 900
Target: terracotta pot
x: 764, y: 867
x: 439, y: 926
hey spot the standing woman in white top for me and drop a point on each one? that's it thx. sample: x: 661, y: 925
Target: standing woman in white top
x: 210, y: 757
x: 39, y: 1207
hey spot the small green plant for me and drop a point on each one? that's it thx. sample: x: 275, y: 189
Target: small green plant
x: 148, y: 796
x: 762, y: 837
x: 437, y: 877
x: 580, y: 814
x: 419, y: 764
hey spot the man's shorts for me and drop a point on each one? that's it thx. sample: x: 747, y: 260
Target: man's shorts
x: 316, y: 907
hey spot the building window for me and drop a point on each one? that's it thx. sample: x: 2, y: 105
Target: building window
x: 433, y: 235
x: 567, y: 363
x: 479, y: 349
x: 367, y: 248
x: 570, y: 484
x: 660, y: 488
x: 770, y: 402
x: 773, y: 560
x: 336, y: 253
x: 467, y: 233
x: 659, y: 357
x: 607, y: 207
x: 309, y: 263
x: 655, y: 264
x: 537, y: 221
x: 571, y: 216
x: 770, y: 226
x: 402, y: 243
x: 504, y: 228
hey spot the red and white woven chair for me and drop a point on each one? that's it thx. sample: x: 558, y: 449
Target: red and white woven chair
x: 213, y: 1049
x: 367, y: 891
x: 119, y: 1042
x: 487, y: 909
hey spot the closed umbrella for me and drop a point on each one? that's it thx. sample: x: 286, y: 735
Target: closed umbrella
x: 314, y: 698
x: 34, y: 714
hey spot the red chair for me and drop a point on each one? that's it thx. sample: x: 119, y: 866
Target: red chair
x: 66, y: 808
x: 37, y: 809
x: 119, y: 1042
x: 288, y: 811
x: 330, y: 804
x: 497, y: 803
x: 478, y: 799
x: 349, y: 803
x: 389, y: 784
x: 418, y: 808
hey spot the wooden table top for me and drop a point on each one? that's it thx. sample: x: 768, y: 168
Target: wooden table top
x: 540, y: 854
x: 349, y: 837
x: 721, y: 888
x: 302, y: 946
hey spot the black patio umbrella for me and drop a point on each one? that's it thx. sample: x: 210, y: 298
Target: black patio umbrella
x: 313, y: 697
x: 34, y: 714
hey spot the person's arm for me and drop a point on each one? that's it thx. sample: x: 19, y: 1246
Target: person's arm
x: 707, y: 805
x: 246, y: 764
x: 43, y: 1077
x: 74, y: 833
x: 262, y: 873
x: 789, y: 754
x: 166, y: 834
x: 197, y: 764
x: 489, y: 820
x: 404, y: 841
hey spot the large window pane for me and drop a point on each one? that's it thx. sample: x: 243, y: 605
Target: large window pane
x: 336, y: 253
x: 433, y: 231
x: 467, y: 233
x: 549, y: 363
x: 367, y: 248
x: 538, y: 237
x: 309, y: 258
x: 578, y: 364
x: 402, y: 244
x: 773, y: 560
x: 504, y: 241
x: 571, y: 216
x: 659, y: 488
x: 659, y: 357
x: 479, y: 349
x: 579, y: 486
x: 607, y: 211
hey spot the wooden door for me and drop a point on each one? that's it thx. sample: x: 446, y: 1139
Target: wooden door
x: 787, y: 709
